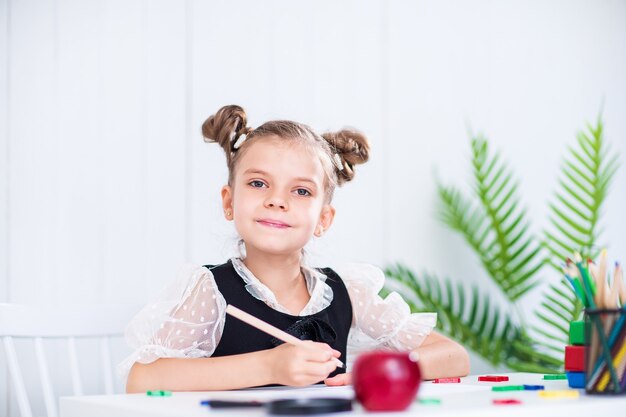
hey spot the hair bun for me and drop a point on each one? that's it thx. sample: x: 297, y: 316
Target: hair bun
x: 224, y: 126
x: 352, y: 147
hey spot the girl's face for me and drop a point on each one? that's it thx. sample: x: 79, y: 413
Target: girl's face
x: 277, y: 198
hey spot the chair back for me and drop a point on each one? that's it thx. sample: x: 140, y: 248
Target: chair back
x: 66, y: 324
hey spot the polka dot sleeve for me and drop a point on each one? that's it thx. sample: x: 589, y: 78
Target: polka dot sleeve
x: 378, y: 322
x: 185, y: 321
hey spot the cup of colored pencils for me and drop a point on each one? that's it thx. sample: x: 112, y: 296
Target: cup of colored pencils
x: 604, y: 296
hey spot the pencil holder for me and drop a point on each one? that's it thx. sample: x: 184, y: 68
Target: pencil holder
x: 605, y: 351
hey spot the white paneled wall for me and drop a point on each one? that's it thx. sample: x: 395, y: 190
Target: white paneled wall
x: 4, y: 178
x: 107, y: 188
x: 97, y: 147
x: 4, y: 149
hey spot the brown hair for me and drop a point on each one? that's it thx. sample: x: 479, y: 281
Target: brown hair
x: 345, y: 148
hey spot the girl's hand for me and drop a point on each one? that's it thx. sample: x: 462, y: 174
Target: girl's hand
x: 301, y: 365
x: 338, y: 380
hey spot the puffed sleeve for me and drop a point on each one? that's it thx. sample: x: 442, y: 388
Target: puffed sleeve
x: 378, y: 322
x: 185, y: 321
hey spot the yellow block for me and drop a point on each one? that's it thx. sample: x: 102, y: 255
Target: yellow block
x: 557, y: 394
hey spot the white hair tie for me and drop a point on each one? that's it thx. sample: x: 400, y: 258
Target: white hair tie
x: 338, y: 162
x: 240, y: 141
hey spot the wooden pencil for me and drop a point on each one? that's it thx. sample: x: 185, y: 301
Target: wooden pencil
x: 268, y: 328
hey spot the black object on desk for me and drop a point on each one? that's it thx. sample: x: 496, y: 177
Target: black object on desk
x: 303, y: 406
x: 232, y: 404
x: 309, y: 406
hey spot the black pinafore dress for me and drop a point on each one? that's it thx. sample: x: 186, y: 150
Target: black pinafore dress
x: 331, y: 325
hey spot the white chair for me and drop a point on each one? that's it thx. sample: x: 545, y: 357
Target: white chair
x: 67, y: 322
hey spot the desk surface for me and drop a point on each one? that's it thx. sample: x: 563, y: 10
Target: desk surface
x: 469, y: 398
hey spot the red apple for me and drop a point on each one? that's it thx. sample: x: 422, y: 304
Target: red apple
x: 386, y: 381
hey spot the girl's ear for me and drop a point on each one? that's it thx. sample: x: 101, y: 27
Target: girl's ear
x: 227, y: 202
x: 326, y: 220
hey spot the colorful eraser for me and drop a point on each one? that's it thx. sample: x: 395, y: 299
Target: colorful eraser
x: 553, y: 395
x: 552, y: 377
x: 574, y: 358
x: 533, y: 387
x: 159, y: 393
x: 447, y: 381
x: 507, y: 388
x: 429, y: 401
x: 493, y: 378
x: 576, y: 379
x: 577, y: 332
x: 506, y: 401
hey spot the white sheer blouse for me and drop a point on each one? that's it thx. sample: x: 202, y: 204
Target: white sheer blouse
x: 187, y: 318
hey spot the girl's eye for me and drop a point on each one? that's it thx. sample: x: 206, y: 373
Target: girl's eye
x: 257, y: 184
x: 303, y: 192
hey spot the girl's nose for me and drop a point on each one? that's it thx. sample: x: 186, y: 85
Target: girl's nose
x: 275, y: 201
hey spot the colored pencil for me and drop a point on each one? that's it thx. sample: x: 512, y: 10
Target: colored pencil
x: 268, y: 328
x: 595, y: 319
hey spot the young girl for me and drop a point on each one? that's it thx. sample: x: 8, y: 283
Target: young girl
x: 282, y: 176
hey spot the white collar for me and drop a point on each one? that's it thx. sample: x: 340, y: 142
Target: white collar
x: 320, y: 292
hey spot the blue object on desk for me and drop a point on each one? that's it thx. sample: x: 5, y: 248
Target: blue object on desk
x: 231, y: 404
x: 575, y: 379
x: 534, y: 387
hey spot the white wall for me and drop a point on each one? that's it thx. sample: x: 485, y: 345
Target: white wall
x: 107, y: 187
x: 4, y: 177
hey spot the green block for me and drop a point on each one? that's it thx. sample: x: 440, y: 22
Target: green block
x: 430, y: 401
x: 554, y: 376
x: 508, y: 388
x: 577, y: 332
x: 159, y: 393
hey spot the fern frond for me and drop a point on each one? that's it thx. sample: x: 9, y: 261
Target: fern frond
x: 460, y: 215
x: 468, y: 316
x: 527, y: 357
x: 513, y: 253
x: 450, y: 301
x: 586, y: 175
x: 496, y: 228
x: 559, y: 308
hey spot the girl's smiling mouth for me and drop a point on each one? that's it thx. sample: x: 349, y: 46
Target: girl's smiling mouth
x: 273, y: 223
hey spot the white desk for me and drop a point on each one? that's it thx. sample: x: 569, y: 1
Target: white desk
x: 469, y: 398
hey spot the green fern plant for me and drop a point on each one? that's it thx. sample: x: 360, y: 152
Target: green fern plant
x: 587, y: 173
x: 468, y: 316
x: 496, y: 227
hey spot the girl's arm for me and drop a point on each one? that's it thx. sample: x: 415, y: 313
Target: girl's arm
x: 440, y: 357
x: 285, y: 365
x: 391, y: 325
x: 198, y: 374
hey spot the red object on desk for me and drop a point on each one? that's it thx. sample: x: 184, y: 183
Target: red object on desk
x: 506, y: 401
x: 574, y: 358
x: 447, y: 381
x: 493, y: 378
x: 386, y: 381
